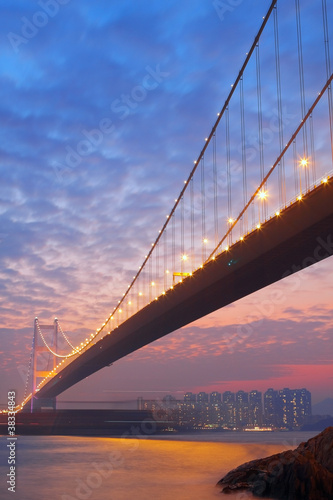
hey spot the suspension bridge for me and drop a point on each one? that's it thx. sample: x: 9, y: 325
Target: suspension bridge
x: 256, y: 207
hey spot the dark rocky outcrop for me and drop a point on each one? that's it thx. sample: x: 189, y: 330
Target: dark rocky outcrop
x: 305, y: 473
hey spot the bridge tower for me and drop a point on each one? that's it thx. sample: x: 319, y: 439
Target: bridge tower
x: 42, y: 403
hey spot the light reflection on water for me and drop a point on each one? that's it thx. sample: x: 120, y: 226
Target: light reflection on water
x: 185, y: 468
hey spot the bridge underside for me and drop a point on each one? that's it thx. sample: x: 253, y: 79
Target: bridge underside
x: 301, y: 236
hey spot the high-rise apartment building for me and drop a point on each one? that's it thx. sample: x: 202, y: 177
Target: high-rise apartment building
x: 189, y: 397
x: 242, y: 408
x: 215, y: 398
x: 228, y: 397
x: 255, y: 409
x: 295, y: 406
x: 271, y: 407
x: 202, y: 397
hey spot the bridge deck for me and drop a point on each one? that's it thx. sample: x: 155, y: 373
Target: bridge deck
x: 301, y: 236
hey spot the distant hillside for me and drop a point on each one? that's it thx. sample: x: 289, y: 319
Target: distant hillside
x: 323, y: 408
x: 318, y: 426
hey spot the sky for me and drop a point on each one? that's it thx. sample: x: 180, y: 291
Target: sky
x: 103, y: 109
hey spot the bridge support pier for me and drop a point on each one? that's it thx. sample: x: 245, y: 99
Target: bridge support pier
x: 44, y: 404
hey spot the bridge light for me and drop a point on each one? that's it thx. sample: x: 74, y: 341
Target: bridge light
x: 299, y: 197
x: 325, y: 180
x: 241, y: 238
x: 258, y: 226
x: 277, y: 213
x: 262, y: 195
x: 140, y: 294
x: 205, y: 240
x: 303, y: 162
x: 167, y: 271
x: 184, y: 257
x: 153, y: 283
x: 230, y: 220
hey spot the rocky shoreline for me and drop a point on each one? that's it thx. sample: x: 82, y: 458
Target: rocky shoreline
x: 305, y: 473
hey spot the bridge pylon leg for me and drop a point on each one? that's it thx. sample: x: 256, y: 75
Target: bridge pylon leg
x: 41, y: 404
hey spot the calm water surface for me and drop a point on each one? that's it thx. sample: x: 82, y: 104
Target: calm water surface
x: 168, y: 468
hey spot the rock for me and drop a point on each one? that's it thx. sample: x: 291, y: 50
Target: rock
x: 321, y: 447
x: 305, y: 473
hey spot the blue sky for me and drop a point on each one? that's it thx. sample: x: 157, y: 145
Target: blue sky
x: 143, y: 82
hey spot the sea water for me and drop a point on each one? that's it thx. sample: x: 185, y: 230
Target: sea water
x: 172, y: 467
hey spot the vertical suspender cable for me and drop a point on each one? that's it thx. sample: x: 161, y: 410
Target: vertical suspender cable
x: 281, y: 169
x: 227, y: 142
x: 192, y: 224
x: 143, y: 287
x: 259, y: 105
x: 328, y: 70
x: 244, y: 227
x: 173, y: 250
x: 216, y: 220
x: 296, y: 169
x: 165, y: 259
x: 203, y: 209
x: 182, y: 235
x: 150, y: 278
x: 260, y: 127
x: 136, y: 296
x: 157, y: 277
x: 302, y: 91
x: 312, y: 151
